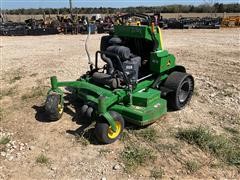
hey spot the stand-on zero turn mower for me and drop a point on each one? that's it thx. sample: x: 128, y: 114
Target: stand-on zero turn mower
x: 138, y: 83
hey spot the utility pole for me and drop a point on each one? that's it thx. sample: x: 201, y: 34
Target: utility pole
x: 211, y: 4
x: 70, y: 4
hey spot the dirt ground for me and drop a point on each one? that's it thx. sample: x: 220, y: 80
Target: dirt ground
x: 211, y: 56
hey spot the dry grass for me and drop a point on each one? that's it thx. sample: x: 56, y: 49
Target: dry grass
x: 8, y: 92
x: 232, y: 130
x: 125, y: 136
x: 218, y: 145
x: 134, y: 156
x: 192, y: 166
x: 157, y: 173
x: 82, y: 140
x: 148, y: 134
x: 35, y: 93
x: 1, y: 113
x: 42, y: 159
x: 104, y: 152
x: 13, y: 76
x: 4, y: 140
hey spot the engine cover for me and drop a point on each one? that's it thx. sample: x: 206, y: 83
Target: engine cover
x: 131, y: 69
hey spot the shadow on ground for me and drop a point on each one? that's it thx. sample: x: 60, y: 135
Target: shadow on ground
x: 72, y: 107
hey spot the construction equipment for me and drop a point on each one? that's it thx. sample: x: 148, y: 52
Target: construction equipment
x: 193, y: 23
x: 30, y: 27
x: 208, y: 23
x: 105, y: 25
x: 138, y: 83
x: 13, y: 29
x: 231, y: 21
x: 42, y: 27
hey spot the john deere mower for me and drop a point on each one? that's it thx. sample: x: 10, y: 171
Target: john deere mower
x: 138, y: 82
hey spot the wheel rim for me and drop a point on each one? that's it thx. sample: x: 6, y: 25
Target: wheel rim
x: 184, y: 91
x: 60, y: 109
x: 111, y: 133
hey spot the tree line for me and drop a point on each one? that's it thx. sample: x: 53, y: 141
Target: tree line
x: 204, y: 8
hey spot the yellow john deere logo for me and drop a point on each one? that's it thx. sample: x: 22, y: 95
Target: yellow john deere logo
x: 168, y: 63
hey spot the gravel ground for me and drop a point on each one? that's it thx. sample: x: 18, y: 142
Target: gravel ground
x: 34, y: 149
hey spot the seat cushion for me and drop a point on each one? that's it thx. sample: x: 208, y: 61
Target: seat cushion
x: 122, y: 51
x: 105, y: 79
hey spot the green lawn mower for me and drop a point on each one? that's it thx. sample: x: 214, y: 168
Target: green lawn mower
x: 138, y: 83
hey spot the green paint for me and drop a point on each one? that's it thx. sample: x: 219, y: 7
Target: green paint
x: 141, y: 105
x: 140, y: 115
x: 110, y: 120
x: 146, y: 98
x: 161, y: 61
x: 143, y: 32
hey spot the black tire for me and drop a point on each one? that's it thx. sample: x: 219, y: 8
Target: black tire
x: 54, y: 107
x: 103, y: 132
x: 182, y: 86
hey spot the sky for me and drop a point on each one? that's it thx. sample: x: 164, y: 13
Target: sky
x: 13, y: 4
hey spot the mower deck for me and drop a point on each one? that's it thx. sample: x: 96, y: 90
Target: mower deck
x: 146, y: 106
x: 142, y: 115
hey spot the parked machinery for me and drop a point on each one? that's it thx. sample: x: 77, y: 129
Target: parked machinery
x: 208, y: 23
x: 30, y: 27
x: 42, y: 27
x: 13, y: 29
x: 232, y: 21
x: 105, y: 25
x: 138, y: 81
x: 76, y: 24
x: 193, y: 23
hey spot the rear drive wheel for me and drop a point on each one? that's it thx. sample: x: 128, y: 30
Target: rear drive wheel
x: 54, y: 107
x: 103, y: 130
x: 182, y: 86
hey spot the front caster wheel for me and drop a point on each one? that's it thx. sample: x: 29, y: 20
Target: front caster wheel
x: 54, y: 107
x: 103, y: 130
